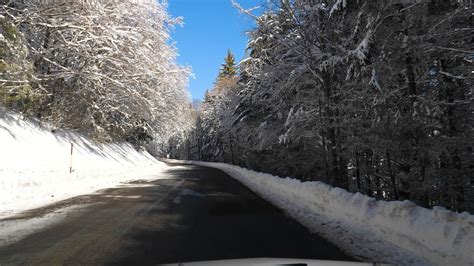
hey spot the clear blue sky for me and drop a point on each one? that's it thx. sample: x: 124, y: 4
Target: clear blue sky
x: 211, y: 28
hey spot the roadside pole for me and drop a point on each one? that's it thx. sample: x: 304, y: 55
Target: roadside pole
x: 70, y: 164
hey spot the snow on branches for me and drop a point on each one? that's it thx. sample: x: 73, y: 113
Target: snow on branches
x: 370, y: 96
x: 107, y: 66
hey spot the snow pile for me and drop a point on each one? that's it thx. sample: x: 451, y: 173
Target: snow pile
x: 397, y: 232
x: 34, y: 165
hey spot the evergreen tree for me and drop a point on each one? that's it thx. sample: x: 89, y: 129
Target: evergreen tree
x: 228, y: 69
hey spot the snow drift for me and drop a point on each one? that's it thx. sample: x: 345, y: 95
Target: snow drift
x: 34, y: 164
x: 397, y: 232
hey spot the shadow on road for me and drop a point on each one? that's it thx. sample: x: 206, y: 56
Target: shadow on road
x: 191, y: 213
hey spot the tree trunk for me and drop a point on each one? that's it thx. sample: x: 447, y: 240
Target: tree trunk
x: 392, y: 176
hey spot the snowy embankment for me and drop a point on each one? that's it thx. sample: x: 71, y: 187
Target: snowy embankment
x: 35, y: 165
x: 398, y: 232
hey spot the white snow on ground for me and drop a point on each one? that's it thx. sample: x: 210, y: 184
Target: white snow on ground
x: 15, y: 230
x: 34, y: 165
x: 398, y: 232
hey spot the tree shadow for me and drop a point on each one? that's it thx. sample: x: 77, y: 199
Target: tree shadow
x: 229, y: 222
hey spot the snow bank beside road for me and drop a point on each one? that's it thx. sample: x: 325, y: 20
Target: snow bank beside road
x: 34, y: 165
x: 394, y: 232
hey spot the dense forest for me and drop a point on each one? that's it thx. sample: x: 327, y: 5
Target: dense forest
x: 103, y: 68
x: 374, y: 97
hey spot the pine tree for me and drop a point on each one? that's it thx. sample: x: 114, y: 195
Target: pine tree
x: 228, y: 69
x: 372, y: 91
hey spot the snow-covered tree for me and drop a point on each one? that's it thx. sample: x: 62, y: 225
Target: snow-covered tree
x: 371, y: 96
x: 17, y: 89
x: 106, y: 66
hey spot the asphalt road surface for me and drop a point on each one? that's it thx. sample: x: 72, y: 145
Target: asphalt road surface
x: 192, y: 213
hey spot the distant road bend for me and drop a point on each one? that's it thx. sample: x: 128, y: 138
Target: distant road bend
x: 193, y: 213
